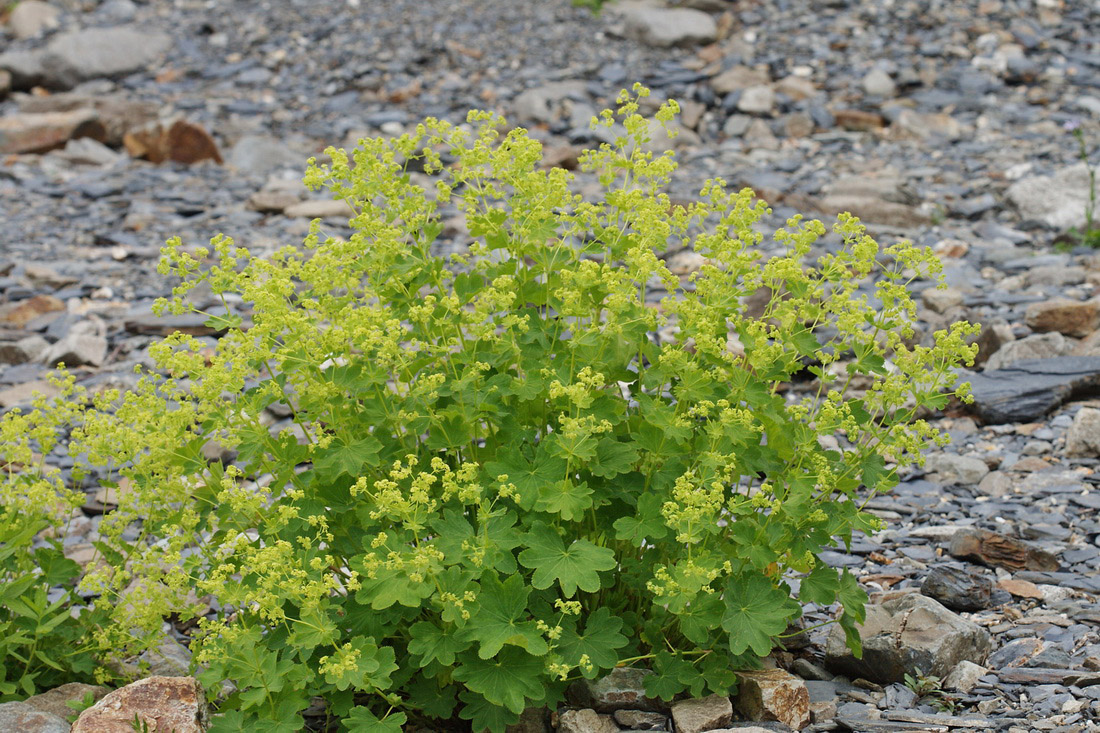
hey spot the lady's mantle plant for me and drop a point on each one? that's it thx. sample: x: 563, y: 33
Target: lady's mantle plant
x: 497, y: 479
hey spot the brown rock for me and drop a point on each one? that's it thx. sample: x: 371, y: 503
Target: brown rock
x: 22, y: 312
x: 991, y: 548
x: 53, y: 701
x: 532, y: 720
x: 623, y: 688
x: 774, y: 695
x: 641, y: 720
x: 164, y: 703
x: 1068, y: 317
x: 5, y: 83
x: 707, y: 713
x: 176, y: 140
x: 858, y: 120
x: 1020, y: 588
x: 38, y: 133
x: 118, y: 114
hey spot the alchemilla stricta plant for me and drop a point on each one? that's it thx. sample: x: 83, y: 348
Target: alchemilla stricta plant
x: 497, y: 479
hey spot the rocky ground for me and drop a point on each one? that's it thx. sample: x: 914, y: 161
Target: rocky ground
x: 124, y: 123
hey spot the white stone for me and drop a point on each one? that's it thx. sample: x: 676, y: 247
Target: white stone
x: 757, y: 100
x: 879, y: 84
x: 665, y: 27
x: 1058, y: 200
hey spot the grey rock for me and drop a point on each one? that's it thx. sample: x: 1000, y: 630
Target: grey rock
x: 1035, y: 346
x: 1030, y: 389
x: 30, y: 348
x: 21, y: 717
x: 665, y: 27
x: 78, y: 349
x: 1083, y: 437
x: 958, y: 589
x: 964, y: 470
x: 911, y: 632
x: 707, y: 713
x: 1058, y: 200
x: 31, y: 17
x: 879, y: 84
x: 25, y: 67
x: 260, y: 155
x: 757, y: 100
x: 623, y: 688
x: 641, y: 720
x: 738, y: 78
x: 964, y: 676
x: 585, y: 721
x: 942, y: 300
x: 94, y: 53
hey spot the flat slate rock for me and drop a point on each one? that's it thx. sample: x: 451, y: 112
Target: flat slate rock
x: 1030, y: 389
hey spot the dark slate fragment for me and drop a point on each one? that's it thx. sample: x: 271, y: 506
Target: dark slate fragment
x: 957, y: 588
x: 1029, y: 389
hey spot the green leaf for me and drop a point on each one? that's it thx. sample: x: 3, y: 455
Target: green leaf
x: 502, y: 618
x: 577, y: 566
x: 576, y: 449
x: 529, y: 477
x: 599, y: 642
x: 701, y: 618
x: 484, y: 715
x: 362, y: 720
x: 613, y: 458
x: 431, y: 643
x: 567, y: 498
x: 345, y: 456
x: 756, y: 611
x: 508, y: 679
x: 852, y: 596
x: 645, y: 524
x: 820, y: 586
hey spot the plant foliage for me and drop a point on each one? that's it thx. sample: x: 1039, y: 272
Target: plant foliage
x: 495, y: 478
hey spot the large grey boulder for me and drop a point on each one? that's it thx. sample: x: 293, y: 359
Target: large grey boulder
x: 95, y: 53
x: 1035, y: 346
x: 908, y: 633
x: 1029, y: 389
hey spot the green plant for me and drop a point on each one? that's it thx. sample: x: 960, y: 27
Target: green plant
x: 1090, y: 237
x: 79, y: 706
x: 42, y: 644
x: 495, y: 480
x: 928, y: 686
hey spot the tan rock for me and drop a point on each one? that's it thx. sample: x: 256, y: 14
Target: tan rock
x: 1083, y: 436
x: 272, y: 202
x: 38, y: 133
x: 774, y: 695
x: 1068, y: 317
x: 176, y: 140
x: 23, y: 394
x: 738, y: 77
x: 586, y: 721
x: 797, y: 88
x: 31, y: 17
x: 164, y: 703
x: 320, y: 210
x: 707, y: 713
x: 118, y: 114
x: 874, y: 209
x: 1020, y: 588
x: 53, y: 701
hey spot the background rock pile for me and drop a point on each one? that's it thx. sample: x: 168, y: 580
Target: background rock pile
x: 943, y: 121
